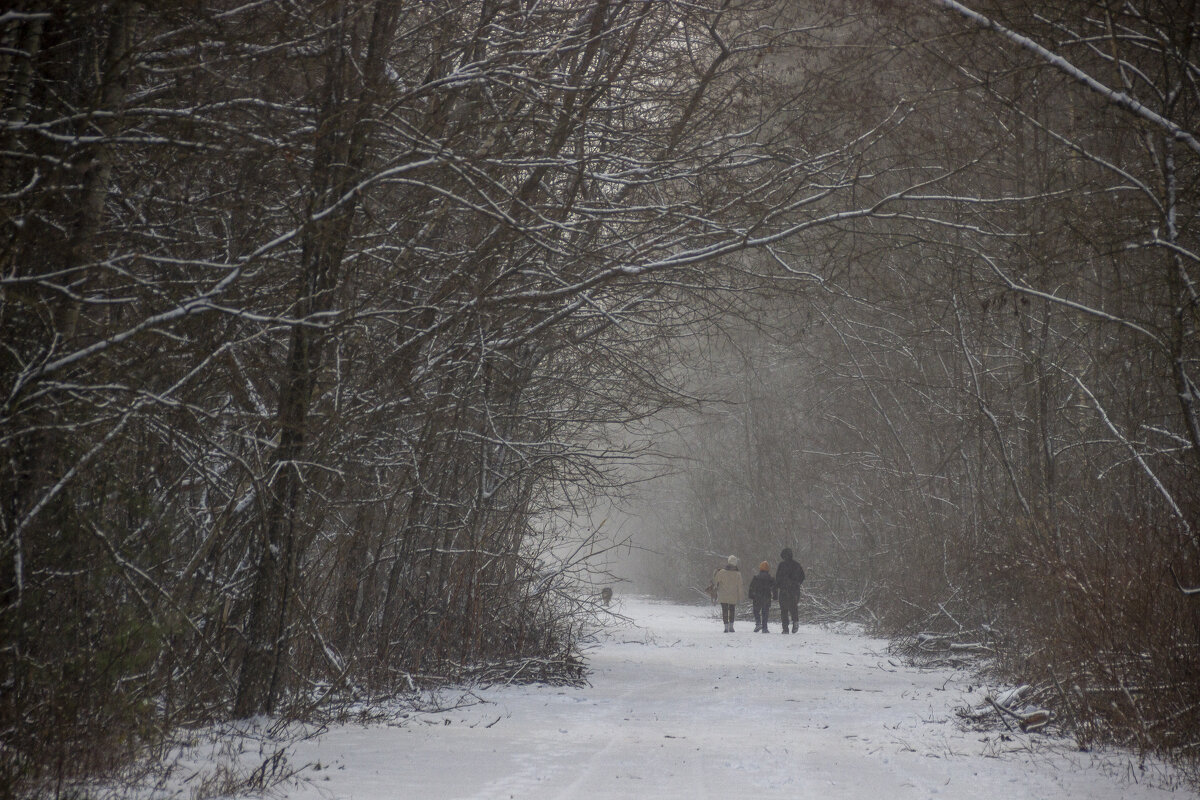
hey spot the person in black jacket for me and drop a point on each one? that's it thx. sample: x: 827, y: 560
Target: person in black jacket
x: 762, y: 592
x: 788, y: 578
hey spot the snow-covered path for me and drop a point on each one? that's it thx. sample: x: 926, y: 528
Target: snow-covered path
x: 678, y: 709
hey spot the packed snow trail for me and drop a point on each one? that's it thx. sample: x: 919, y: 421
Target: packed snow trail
x: 678, y: 709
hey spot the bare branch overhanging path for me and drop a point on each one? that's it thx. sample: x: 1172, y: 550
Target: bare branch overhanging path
x: 678, y: 709
x: 1116, y: 97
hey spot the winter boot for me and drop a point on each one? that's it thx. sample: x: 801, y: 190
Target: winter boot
x: 728, y: 627
x: 795, y: 627
x: 764, y: 629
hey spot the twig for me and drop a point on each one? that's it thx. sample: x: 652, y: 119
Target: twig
x: 1194, y: 590
x: 1002, y: 711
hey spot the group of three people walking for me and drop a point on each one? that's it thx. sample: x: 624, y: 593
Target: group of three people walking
x: 727, y: 589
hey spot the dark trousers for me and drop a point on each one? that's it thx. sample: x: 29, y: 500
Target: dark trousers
x: 727, y: 611
x: 789, y: 606
x: 762, y: 610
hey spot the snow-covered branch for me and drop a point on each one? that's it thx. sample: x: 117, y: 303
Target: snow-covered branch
x: 1118, y: 98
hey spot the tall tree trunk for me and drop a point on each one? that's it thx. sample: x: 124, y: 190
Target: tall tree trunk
x: 1183, y: 313
x: 351, y: 95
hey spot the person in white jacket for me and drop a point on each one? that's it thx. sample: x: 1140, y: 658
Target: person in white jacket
x: 728, y: 584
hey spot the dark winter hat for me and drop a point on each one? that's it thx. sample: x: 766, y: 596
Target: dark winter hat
x: 764, y: 566
x: 786, y: 554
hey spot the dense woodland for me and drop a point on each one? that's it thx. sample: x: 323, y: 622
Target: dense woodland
x: 323, y: 322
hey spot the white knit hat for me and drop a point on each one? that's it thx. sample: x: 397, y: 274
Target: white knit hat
x: 732, y: 561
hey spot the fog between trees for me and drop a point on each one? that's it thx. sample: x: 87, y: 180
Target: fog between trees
x: 324, y: 323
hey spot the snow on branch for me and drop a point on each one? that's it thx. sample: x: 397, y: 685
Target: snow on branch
x: 1190, y: 591
x: 1065, y: 302
x: 1117, y: 98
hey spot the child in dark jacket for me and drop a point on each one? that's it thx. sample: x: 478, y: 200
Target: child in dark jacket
x: 762, y: 590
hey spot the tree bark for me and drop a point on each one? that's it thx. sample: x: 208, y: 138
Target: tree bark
x: 351, y: 96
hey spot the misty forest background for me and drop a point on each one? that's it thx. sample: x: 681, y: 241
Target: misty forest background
x: 346, y: 346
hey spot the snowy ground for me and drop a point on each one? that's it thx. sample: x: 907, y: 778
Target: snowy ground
x: 678, y: 709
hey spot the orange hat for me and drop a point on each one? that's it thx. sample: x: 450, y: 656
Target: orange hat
x: 764, y: 566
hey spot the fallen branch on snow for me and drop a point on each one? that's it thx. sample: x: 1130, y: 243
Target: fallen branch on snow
x: 1029, y: 718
